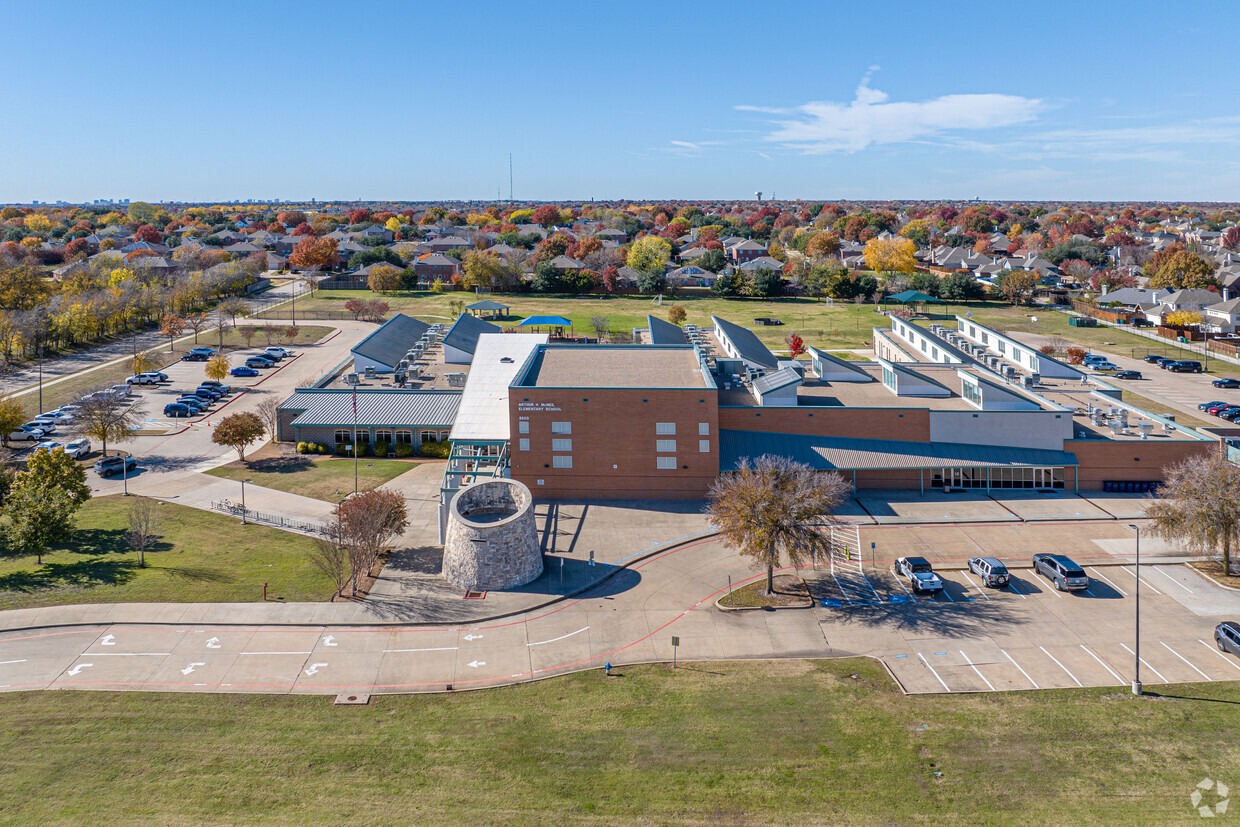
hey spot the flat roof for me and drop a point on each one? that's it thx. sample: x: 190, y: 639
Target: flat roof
x: 816, y: 392
x: 614, y: 366
x: 483, y: 412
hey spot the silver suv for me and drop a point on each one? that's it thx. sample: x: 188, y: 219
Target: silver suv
x: 991, y: 570
x: 1062, y: 571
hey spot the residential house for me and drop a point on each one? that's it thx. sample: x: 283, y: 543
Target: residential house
x: 436, y: 267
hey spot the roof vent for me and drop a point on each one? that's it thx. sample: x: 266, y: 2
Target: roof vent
x: 506, y: 360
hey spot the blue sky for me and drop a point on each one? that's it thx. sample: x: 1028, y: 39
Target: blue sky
x: 815, y: 100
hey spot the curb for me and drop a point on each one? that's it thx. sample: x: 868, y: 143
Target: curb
x: 1211, y: 579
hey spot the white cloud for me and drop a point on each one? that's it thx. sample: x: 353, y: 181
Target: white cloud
x: 872, y: 119
x: 686, y: 144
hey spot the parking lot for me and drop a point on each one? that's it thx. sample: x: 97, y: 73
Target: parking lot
x: 1028, y: 635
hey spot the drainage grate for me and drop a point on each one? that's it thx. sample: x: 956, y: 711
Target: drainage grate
x: 356, y: 699
x: 473, y: 595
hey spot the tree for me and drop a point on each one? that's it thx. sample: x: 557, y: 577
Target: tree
x: 143, y: 363
x: 232, y: 308
x: 330, y: 556
x: 384, y: 278
x: 771, y: 508
x: 217, y: 367
x: 677, y: 314
x: 1182, y: 318
x: 649, y: 254
x: 106, y: 418
x: 42, y: 502
x: 143, y: 525
x: 927, y: 283
x: 1017, y: 285
x: 248, y: 332
x: 1231, y: 239
x: 368, y: 523
x: 712, y: 260
x: 796, y: 345
x: 1183, y: 270
x: 960, y: 287
x: 196, y: 322
x: 890, y: 255
x: 823, y: 245
x: 12, y: 415
x: 601, y: 325
x: 546, y: 215
x: 481, y: 269
x: 269, y: 411
x: 238, y: 431
x: 1198, y: 507
x: 728, y: 285
x: 171, y: 326
x: 651, y: 283
x: 766, y: 283
x: 315, y: 254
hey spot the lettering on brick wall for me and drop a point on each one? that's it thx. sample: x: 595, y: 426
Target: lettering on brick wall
x: 538, y: 407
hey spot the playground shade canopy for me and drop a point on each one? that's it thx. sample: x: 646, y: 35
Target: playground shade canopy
x: 545, y: 321
x: 911, y: 296
x: 486, y: 305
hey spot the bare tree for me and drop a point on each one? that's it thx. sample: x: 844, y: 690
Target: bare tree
x: 248, y: 332
x: 232, y: 308
x: 269, y: 331
x: 268, y: 409
x: 771, y: 508
x: 106, y: 417
x: 601, y: 325
x: 1198, y: 508
x: 368, y: 523
x: 330, y: 556
x: 196, y: 323
x: 143, y: 525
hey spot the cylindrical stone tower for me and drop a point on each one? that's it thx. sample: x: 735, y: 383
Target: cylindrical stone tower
x: 492, y: 542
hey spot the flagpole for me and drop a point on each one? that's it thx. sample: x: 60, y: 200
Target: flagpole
x: 355, y: 440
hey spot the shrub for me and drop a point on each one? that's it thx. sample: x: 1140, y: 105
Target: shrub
x: 303, y: 447
x: 381, y: 449
x: 438, y: 450
x: 404, y: 449
x: 342, y: 450
x: 1076, y: 355
x: 323, y: 449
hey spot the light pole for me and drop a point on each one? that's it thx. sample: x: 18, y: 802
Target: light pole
x: 40, y: 377
x: 243, y: 482
x: 1136, y: 681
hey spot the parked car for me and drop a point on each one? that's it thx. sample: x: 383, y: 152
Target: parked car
x: 1227, y: 637
x: 1183, y: 366
x: 243, y: 371
x: 178, y: 409
x: 1104, y: 365
x: 259, y: 362
x: 79, y: 448
x: 1091, y: 358
x: 219, y: 386
x: 1154, y: 358
x: 195, y: 357
x: 208, y: 351
x: 1062, y: 571
x: 273, y: 355
x: 25, y: 433
x: 48, y: 445
x: 1127, y: 374
x: 1142, y: 323
x: 148, y: 378
x: 194, y: 403
x: 1230, y: 414
x: 55, y: 417
x: 46, y: 427
x: 277, y: 351
x: 1205, y: 406
x: 919, y: 573
x: 991, y: 570
x: 1229, y: 382
x: 205, y: 393
x: 107, y: 466
x: 1218, y: 407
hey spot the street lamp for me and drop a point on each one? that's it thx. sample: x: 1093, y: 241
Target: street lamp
x: 243, y: 482
x: 1136, y: 681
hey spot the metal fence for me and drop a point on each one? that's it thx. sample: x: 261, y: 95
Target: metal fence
x: 235, y: 509
x: 284, y: 312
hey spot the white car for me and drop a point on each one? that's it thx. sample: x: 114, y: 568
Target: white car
x: 920, y: 574
x: 25, y: 433
x: 78, y: 448
x: 152, y: 378
x: 44, y: 426
x: 55, y: 417
x: 277, y: 352
x: 48, y: 445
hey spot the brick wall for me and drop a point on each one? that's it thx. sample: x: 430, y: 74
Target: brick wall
x: 852, y: 423
x: 1103, y: 460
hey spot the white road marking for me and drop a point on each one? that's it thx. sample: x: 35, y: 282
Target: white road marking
x: 900, y: 583
x: 1060, y: 665
x: 474, y: 664
x: 213, y: 643
x: 561, y: 637
x: 1049, y: 585
x: 975, y: 669
x: 436, y: 649
x: 314, y: 668
x: 192, y: 667
x: 472, y: 636
x: 1143, y: 580
x: 1104, y: 577
x: 931, y: 668
x: 330, y: 640
x: 108, y: 640
x: 943, y: 591
x: 4, y: 662
x: 979, y: 588
x: 1022, y: 671
x: 1181, y: 657
x: 277, y: 653
x: 1172, y: 579
x: 75, y: 670
x: 1215, y: 650
x: 1146, y: 664
x: 1012, y: 586
x: 127, y: 654
x: 1103, y: 664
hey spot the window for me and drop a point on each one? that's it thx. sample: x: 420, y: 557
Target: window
x: 666, y: 463
x: 558, y: 461
x: 429, y: 436
x: 561, y: 445
x: 383, y: 436
x: 703, y: 446
x: 561, y: 427
x: 665, y: 446
x: 703, y: 429
x: 665, y: 428
x: 523, y: 427
x: 344, y: 437
x: 972, y: 393
x: 523, y: 445
x: 404, y: 437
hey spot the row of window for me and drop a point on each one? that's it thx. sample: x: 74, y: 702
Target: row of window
x: 566, y: 428
x: 398, y: 437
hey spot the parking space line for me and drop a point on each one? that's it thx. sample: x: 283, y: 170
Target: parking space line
x: 900, y: 583
x: 1060, y: 665
x: 1012, y: 586
x: 1022, y: 671
x: 1181, y: 657
x: 1172, y: 579
x: 1229, y: 661
x: 979, y: 588
x: 978, y: 671
x: 1102, y: 576
x: 931, y: 668
x: 1054, y: 590
x: 1146, y: 582
x: 1146, y: 664
x: 943, y: 591
x: 1103, y: 664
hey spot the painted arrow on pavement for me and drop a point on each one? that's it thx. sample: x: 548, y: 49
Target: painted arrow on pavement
x: 474, y: 664
x: 191, y: 668
x: 314, y: 668
x: 213, y: 643
x: 330, y: 640
x: 108, y: 640
x: 75, y: 670
x: 473, y: 637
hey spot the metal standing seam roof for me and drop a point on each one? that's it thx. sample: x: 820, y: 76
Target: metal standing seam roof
x: 464, y: 333
x: 389, y: 344
x: 665, y: 333
x: 325, y: 408
x: 825, y: 453
x: 745, y: 343
x: 774, y: 381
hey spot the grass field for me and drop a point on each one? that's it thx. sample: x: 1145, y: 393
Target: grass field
x: 324, y: 479
x: 753, y: 743
x: 200, y: 557
x: 75, y: 386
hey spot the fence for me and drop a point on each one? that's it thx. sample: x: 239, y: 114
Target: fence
x: 306, y: 315
x: 235, y: 509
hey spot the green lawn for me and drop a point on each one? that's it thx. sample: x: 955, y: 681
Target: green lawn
x: 329, y: 480
x: 753, y: 743
x: 201, y: 557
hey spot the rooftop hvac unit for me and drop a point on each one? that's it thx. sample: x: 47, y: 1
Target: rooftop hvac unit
x: 1035, y: 379
x: 402, y: 365
x: 370, y: 371
x: 1145, y: 428
x: 352, y: 379
x: 1026, y: 381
